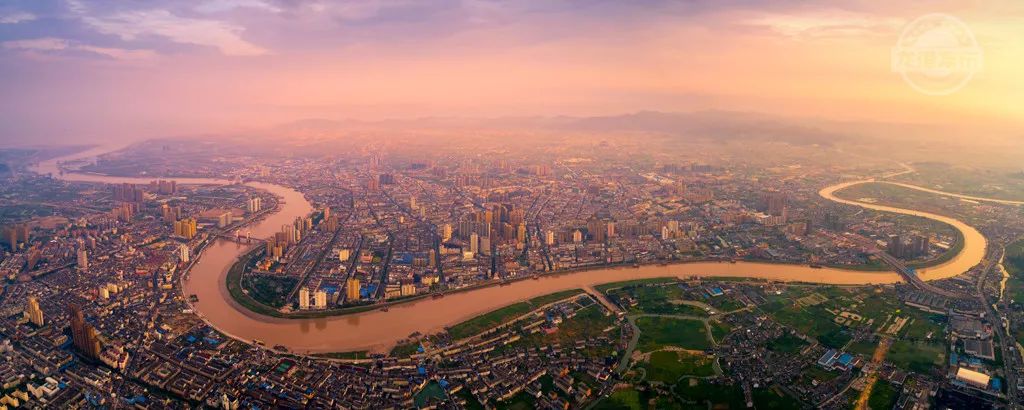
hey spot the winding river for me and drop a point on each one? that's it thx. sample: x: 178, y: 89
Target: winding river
x: 378, y: 330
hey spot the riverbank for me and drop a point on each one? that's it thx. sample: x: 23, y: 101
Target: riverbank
x: 375, y: 330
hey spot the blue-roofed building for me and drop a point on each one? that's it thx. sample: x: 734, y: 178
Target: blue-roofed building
x: 715, y: 292
x: 828, y: 359
x: 845, y: 361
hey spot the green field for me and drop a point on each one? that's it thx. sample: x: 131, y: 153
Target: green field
x: 605, y: 287
x: 920, y: 357
x: 588, y: 323
x: 269, y: 290
x: 704, y: 393
x: 813, y: 321
x: 668, y: 366
x: 883, y: 395
x: 504, y: 315
x: 787, y: 343
x: 488, y: 320
x: 554, y: 297
x: 626, y: 399
x: 719, y: 330
x: 1013, y: 261
x: 658, y: 332
x: 362, y: 354
x: 986, y: 183
x: 430, y: 394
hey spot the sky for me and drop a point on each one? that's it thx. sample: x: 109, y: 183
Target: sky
x: 79, y: 70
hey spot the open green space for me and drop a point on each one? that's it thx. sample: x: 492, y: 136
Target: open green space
x: 405, y: 349
x: 787, y: 343
x: 921, y: 357
x: 813, y: 321
x: 505, y: 314
x: 362, y: 354
x: 554, y: 297
x: 432, y: 393
x: 719, y: 330
x: 605, y: 287
x: 987, y: 183
x: 668, y: 366
x: 1013, y: 261
x: 270, y: 290
x: 658, y: 332
x: 774, y: 398
x: 625, y: 399
x: 588, y: 323
x: 707, y: 394
x: 883, y: 395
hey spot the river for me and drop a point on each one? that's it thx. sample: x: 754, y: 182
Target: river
x: 378, y: 330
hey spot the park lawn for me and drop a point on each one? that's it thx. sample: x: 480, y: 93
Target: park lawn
x: 668, y: 366
x: 658, y: 332
x: 921, y: 357
x: 883, y: 395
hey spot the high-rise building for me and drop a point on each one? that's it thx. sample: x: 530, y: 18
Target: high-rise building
x: 304, y: 298
x: 33, y: 311
x: 186, y: 228
x: 774, y: 202
x: 446, y: 232
x: 320, y: 299
x: 474, y: 243
x: 255, y: 204
x: 84, y: 335
x: 15, y: 234
x: 184, y: 253
x: 352, y: 289
x: 83, y: 259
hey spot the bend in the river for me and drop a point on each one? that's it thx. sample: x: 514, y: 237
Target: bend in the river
x: 378, y: 330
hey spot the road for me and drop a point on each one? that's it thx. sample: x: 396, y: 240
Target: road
x: 1005, y: 339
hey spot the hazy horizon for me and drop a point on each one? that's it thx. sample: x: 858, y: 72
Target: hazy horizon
x: 81, y: 71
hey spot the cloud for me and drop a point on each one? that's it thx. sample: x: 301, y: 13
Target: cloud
x: 131, y: 25
x: 37, y: 44
x: 17, y: 17
x: 828, y: 24
x: 59, y: 46
x: 218, y: 6
x: 119, y: 53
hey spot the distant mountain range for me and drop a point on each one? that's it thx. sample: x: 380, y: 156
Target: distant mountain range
x: 710, y: 125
